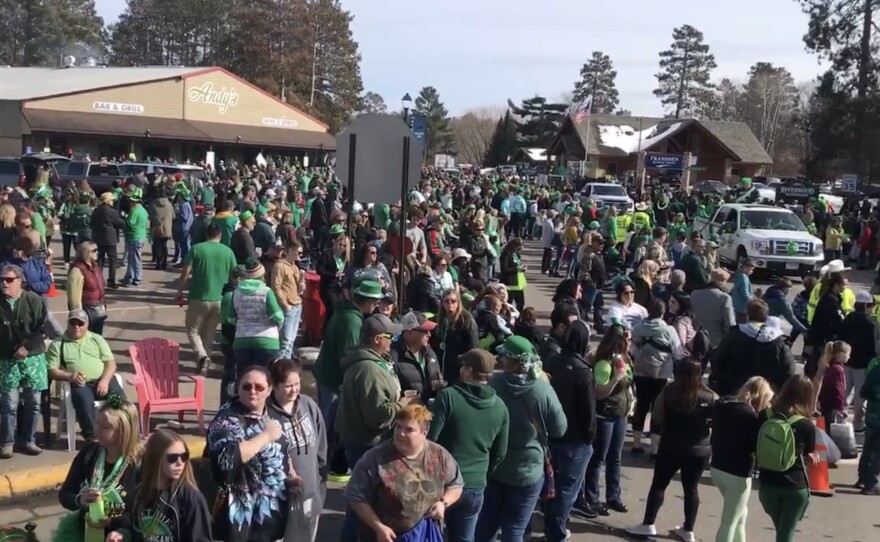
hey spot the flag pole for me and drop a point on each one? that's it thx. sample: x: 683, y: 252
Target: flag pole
x: 587, y: 144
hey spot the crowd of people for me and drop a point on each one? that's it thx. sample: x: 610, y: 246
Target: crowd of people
x: 444, y: 406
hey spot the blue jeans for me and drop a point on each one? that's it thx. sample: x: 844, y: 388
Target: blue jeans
x: 83, y: 399
x: 184, y: 243
x: 353, y: 452
x: 227, y: 383
x: 461, y: 518
x: 290, y: 329
x: 328, y: 402
x: 134, y: 272
x: 869, y: 463
x: 508, y: 508
x: 569, y: 464
x: 9, y: 415
x: 607, y: 449
x: 246, y: 357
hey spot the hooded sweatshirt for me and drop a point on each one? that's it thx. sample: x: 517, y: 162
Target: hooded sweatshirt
x: 306, y: 437
x: 527, y: 400
x: 342, y: 332
x: 472, y: 423
x: 657, y: 346
x: 369, y: 398
x: 572, y: 380
x: 177, y: 516
x: 254, y: 311
x: 752, y: 349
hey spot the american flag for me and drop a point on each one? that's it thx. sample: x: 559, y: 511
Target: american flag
x: 583, y: 111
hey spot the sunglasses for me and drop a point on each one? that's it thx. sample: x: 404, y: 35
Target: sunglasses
x: 9, y: 280
x: 76, y: 323
x: 450, y: 301
x: 388, y: 336
x: 174, y: 458
x: 253, y: 387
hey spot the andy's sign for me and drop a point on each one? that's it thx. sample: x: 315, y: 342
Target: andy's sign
x: 223, y: 98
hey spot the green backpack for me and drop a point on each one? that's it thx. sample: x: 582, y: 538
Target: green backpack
x: 777, y: 447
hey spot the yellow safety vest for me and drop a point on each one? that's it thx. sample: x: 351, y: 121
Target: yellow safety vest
x: 847, y: 302
x: 642, y: 219
x: 877, y: 308
x: 623, y: 223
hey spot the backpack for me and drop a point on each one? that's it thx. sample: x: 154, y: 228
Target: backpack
x: 701, y: 347
x: 777, y: 447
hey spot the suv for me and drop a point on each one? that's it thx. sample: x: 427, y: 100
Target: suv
x: 11, y: 172
x: 20, y: 171
x: 99, y: 174
x: 605, y: 194
x: 773, y: 237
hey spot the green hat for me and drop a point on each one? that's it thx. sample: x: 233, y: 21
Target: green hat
x: 368, y: 288
x: 594, y: 225
x: 337, y: 229
x: 745, y: 181
x: 589, y: 203
x: 245, y: 215
x: 262, y: 211
x: 136, y: 194
x: 523, y: 351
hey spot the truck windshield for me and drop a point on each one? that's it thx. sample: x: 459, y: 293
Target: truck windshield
x: 608, y: 190
x: 771, y: 220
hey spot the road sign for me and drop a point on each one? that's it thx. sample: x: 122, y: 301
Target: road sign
x: 378, y: 160
x: 697, y: 168
x: 850, y: 183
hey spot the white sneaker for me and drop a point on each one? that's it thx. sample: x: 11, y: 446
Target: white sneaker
x: 686, y: 536
x: 643, y: 530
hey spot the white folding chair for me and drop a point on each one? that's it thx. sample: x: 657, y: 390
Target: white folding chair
x: 67, y: 420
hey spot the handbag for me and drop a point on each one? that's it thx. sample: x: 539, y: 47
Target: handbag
x: 96, y: 313
x: 844, y: 436
x: 548, y: 491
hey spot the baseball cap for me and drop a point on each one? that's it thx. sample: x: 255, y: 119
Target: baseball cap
x: 378, y: 324
x: 79, y: 315
x: 479, y: 360
x: 863, y: 296
x: 416, y: 321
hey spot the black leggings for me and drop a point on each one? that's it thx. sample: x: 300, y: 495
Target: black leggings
x: 664, y: 469
x: 647, y: 390
x: 518, y: 298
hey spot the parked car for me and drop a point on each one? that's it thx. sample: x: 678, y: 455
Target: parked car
x: 100, y: 175
x: 704, y: 188
x: 609, y: 194
x: 21, y: 171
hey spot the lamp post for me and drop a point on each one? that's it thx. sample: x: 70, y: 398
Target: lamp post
x: 406, y: 101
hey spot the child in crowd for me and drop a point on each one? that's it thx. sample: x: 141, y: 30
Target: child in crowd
x: 527, y: 326
x: 742, y: 289
x: 832, y: 388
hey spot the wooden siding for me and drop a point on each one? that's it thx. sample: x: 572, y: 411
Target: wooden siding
x: 163, y: 99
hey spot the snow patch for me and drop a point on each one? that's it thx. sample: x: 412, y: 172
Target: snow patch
x: 626, y: 138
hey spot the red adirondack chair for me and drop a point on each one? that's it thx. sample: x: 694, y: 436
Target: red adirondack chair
x: 157, y: 377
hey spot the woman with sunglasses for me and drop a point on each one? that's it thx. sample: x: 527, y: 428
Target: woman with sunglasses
x: 85, y: 286
x: 247, y: 450
x: 306, y: 437
x: 366, y: 264
x: 624, y: 309
x: 168, y: 505
x: 457, y: 333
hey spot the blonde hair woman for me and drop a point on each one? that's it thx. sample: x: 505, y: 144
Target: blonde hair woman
x: 456, y: 333
x: 643, y: 283
x: 85, y: 286
x: 168, y: 485
x: 7, y: 230
x: 735, y: 424
x: 102, y: 480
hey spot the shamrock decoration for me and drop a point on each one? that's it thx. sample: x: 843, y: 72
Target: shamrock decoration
x: 791, y: 248
x: 115, y: 401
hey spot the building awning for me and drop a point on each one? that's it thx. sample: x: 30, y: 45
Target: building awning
x: 265, y: 137
x: 67, y: 122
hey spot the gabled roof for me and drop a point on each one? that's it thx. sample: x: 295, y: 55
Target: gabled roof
x: 614, y: 135
x: 32, y: 83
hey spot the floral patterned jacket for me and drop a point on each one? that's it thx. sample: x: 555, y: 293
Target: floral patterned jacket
x: 255, y: 506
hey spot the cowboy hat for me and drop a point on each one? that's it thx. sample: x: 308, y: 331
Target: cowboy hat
x: 641, y: 206
x: 834, y: 266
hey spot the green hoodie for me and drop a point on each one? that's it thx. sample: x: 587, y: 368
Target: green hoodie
x: 273, y: 313
x: 342, y: 332
x: 524, y: 463
x: 471, y: 422
x: 369, y: 399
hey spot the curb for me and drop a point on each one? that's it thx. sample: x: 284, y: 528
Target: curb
x: 46, y: 478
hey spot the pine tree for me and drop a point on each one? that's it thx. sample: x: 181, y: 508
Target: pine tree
x: 373, y: 102
x: 504, y: 142
x: 539, y: 120
x: 686, y: 67
x: 598, y: 80
x: 438, y: 134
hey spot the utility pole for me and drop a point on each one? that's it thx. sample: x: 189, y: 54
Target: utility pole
x: 314, y: 71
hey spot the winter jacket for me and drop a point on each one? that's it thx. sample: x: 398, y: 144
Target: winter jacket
x: 695, y: 272
x: 871, y: 392
x: 184, y: 513
x: 416, y: 374
x: 713, y: 310
x: 861, y: 331
x: 751, y: 350
x: 832, y: 394
x: 735, y: 428
x: 827, y: 320
x: 105, y: 223
x: 508, y: 269
x: 472, y: 423
x: 36, y: 275
x: 161, y: 218
x: 242, y: 245
x: 327, y: 269
x: 421, y: 294
x: 343, y: 331
x: 656, y: 346
x: 526, y: 400
x: 185, y: 218
x: 263, y: 235
x: 369, y: 399
x: 572, y: 380
x: 21, y: 324
x: 780, y: 306
x: 449, y: 342
x: 683, y: 433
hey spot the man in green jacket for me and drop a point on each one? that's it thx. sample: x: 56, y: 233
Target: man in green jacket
x: 343, y: 331
x: 471, y: 422
x: 136, y: 223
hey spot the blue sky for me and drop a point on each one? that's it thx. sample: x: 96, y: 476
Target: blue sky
x: 479, y: 53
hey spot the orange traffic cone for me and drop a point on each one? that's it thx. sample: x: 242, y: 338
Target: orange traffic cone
x: 820, y: 481
x: 52, y: 291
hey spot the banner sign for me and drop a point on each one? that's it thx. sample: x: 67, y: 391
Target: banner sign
x: 418, y: 123
x: 798, y: 191
x: 664, y: 161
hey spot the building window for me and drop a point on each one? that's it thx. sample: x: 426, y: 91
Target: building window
x: 157, y: 153
x: 111, y: 151
x: 736, y: 171
x: 612, y: 168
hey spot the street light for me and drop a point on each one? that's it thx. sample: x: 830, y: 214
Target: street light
x: 407, y: 104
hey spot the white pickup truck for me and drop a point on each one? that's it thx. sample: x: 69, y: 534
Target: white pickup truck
x: 773, y: 237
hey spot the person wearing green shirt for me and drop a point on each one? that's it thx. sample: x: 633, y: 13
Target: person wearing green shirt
x: 381, y: 216
x: 210, y: 265
x: 254, y: 311
x: 136, y: 224
x: 206, y: 195
x: 85, y: 361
